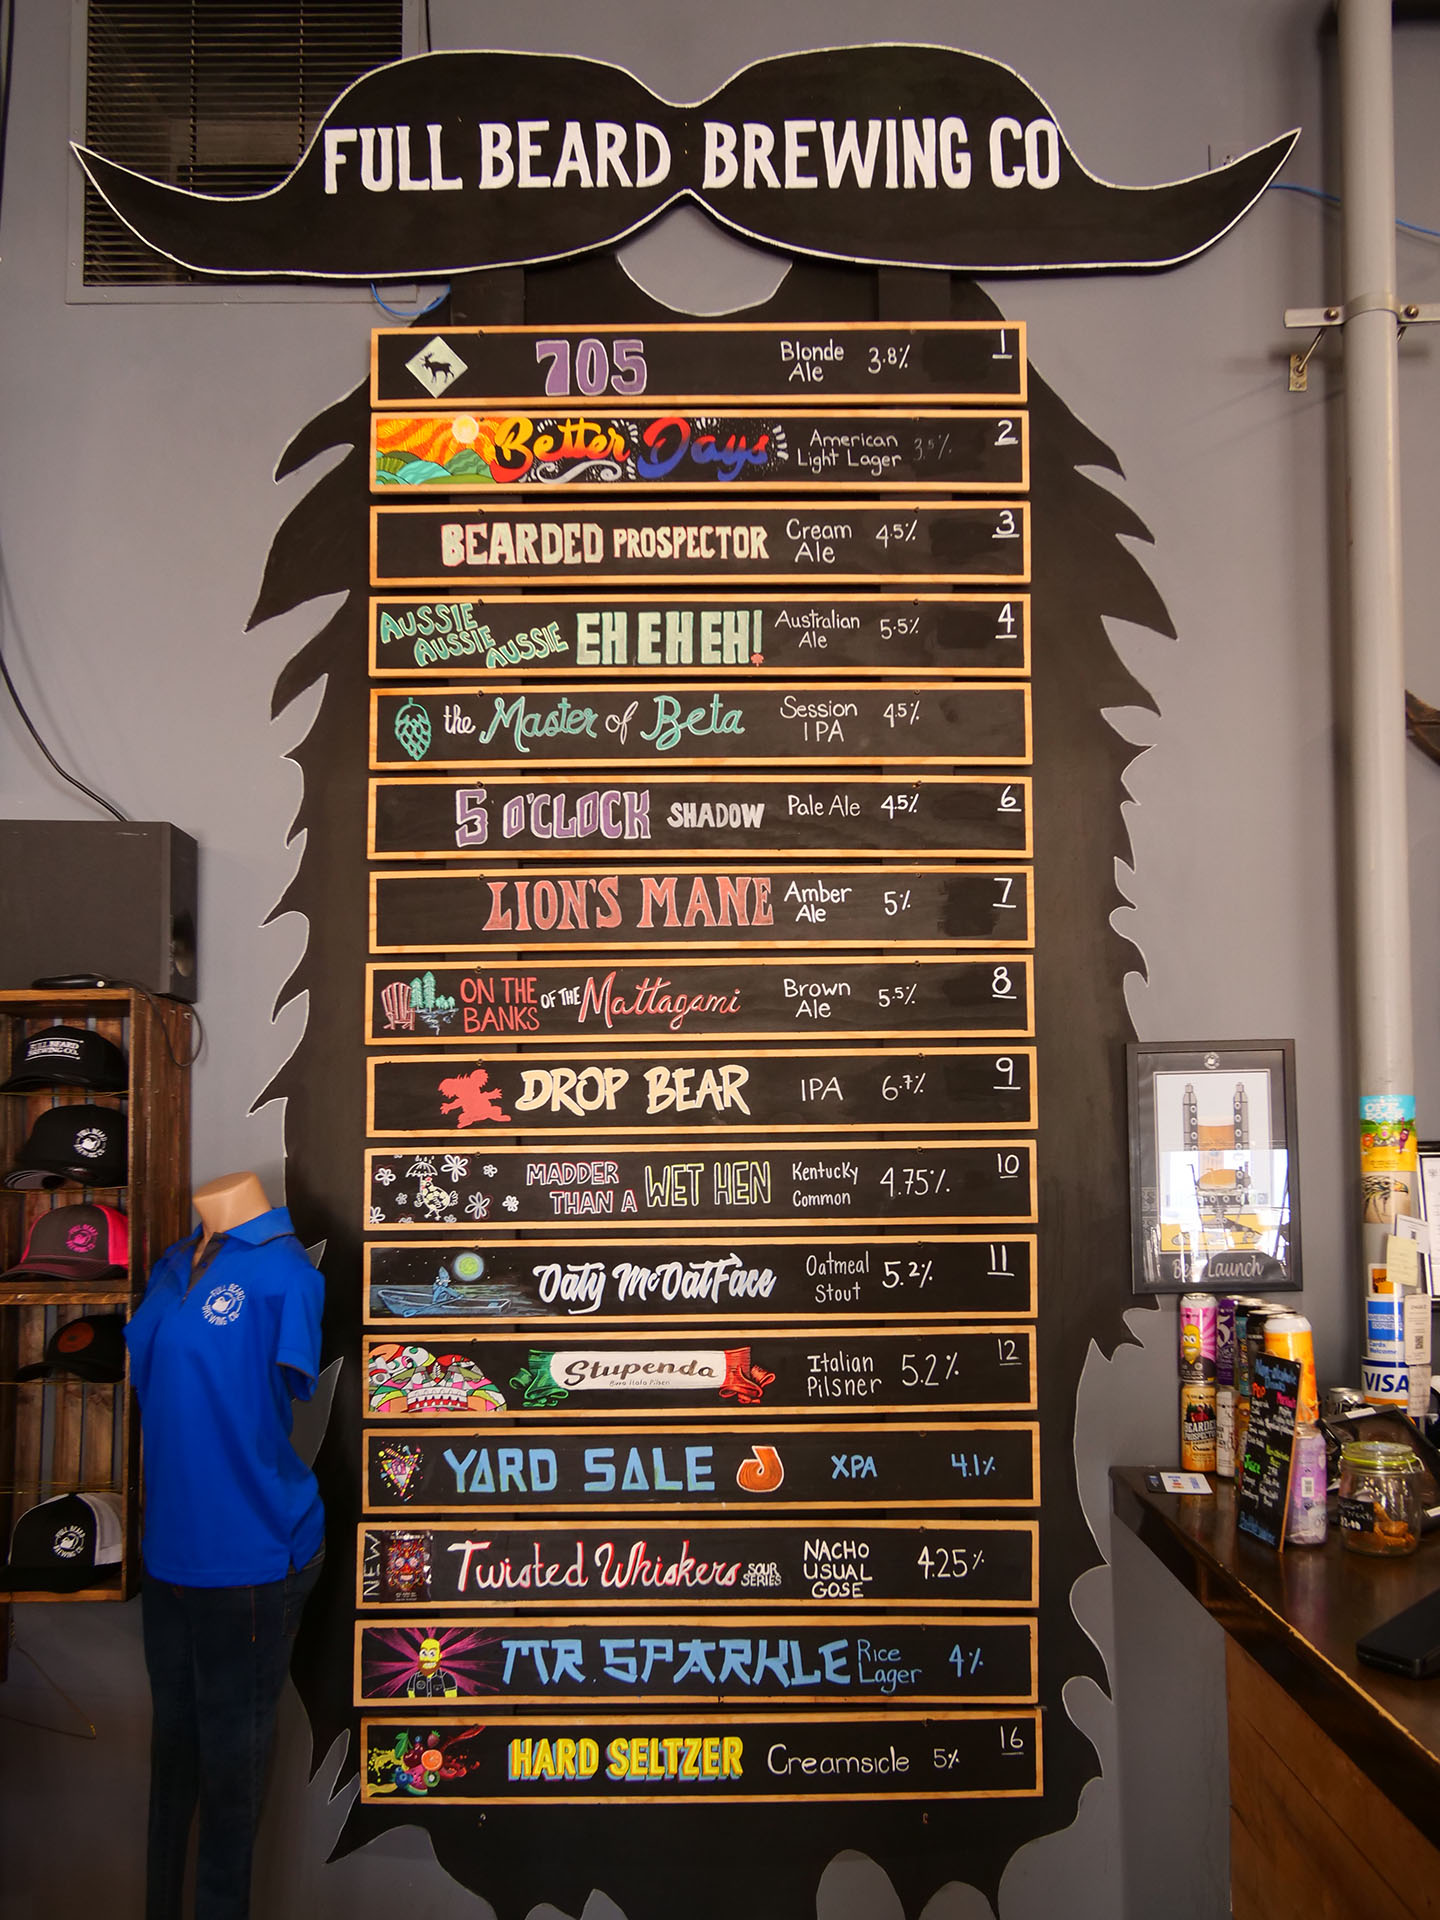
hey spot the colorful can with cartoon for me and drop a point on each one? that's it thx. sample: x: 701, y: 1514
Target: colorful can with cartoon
x: 1197, y: 1338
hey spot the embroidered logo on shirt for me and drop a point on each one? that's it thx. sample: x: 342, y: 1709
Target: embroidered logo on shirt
x: 223, y: 1304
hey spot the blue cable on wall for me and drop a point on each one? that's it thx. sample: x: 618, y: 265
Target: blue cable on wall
x: 1333, y: 200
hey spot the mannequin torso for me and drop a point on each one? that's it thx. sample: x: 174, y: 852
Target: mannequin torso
x: 228, y: 1202
x: 227, y: 1336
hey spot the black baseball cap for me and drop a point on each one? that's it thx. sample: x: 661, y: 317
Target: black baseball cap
x: 68, y: 1057
x: 91, y: 1349
x: 64, y: 1544
x: 81, y: 1143
x: 84, y: 1242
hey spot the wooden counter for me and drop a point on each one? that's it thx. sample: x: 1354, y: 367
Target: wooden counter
x: 1334, y: 1766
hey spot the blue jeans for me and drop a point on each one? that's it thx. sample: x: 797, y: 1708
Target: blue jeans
x: 217, y: 1659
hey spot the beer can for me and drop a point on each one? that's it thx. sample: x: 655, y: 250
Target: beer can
x: 1249, y: 1339
x: 1242, y: 1378
x: 1225, y: 1340
x: 1242, y: 1365
x: 1225, y: 1432
x: 1256, y: 1317
x: 1197, y: 1426
x: 1385, y: 1327
x: 1289, y: 1337
x: 1385, y: 1383
x: 1197, y: 1338
x: 1307, y: 1521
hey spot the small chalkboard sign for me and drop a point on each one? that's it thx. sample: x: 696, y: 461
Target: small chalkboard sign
x: 1265, y: 1467
x: 1245, y: 1270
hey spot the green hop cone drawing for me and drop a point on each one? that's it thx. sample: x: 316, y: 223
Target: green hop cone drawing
x: 412, y: 729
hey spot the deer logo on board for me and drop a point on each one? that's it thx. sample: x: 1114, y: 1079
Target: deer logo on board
x: 436, y: 366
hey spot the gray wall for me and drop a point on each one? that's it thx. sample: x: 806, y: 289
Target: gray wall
x: 136, y: 509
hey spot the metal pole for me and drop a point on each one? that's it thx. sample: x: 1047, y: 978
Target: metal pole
x: 1385, y: 1055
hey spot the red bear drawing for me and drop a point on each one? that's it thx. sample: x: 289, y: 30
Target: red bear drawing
x: 472, y: 1099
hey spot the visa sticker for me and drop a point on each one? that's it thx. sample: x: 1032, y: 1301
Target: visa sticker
x: 1184, y: 1483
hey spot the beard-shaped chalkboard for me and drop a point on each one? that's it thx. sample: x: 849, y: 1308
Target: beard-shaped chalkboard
x: 763, y: 1860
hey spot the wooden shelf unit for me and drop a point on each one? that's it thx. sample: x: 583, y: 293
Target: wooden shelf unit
x: 66, y: 1435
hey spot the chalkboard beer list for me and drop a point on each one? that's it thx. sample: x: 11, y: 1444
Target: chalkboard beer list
x: 974, y: 362
x: 702, y: 1062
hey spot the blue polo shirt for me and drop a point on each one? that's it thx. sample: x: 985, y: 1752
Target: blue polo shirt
x: 216, y: 1356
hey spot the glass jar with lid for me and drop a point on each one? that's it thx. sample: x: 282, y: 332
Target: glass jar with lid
x: 1379, y: 1497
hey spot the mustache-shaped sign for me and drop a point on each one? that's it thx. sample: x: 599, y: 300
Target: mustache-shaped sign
x: 899, y: 155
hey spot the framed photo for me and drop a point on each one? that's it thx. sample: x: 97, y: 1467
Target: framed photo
x: 1214, y: 1167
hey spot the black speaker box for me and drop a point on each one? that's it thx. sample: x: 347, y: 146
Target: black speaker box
x: 109, y: 897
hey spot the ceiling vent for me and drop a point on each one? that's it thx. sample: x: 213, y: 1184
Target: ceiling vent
x: 216, y: 96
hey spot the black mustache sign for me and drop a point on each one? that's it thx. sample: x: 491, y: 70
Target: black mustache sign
x: 896, y: 155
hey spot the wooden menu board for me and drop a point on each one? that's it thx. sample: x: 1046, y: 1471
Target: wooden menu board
x: 673, y: 908
x: 459, y: 1280
x: 761, y: 635
x: 768, y: 1465
x: 954, y: 360
x: 583, y: 448
x: 641, y: 724
x: 834, y: 1560
x: 809, y: 542
x: 743, y: 997
x: 737, y: 1757
x: 697, y: 815
x: 785, y: 1659
x: 726, y: 1373
x: 901, y: 1183
x: 613, y: 1092
x: 703, y: 1086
